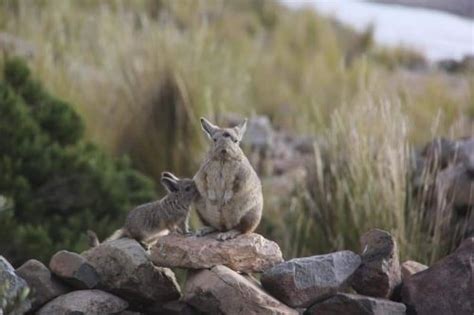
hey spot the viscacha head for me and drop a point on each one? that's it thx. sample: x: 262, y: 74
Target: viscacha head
x: 183, y: 189
x: 225, y: 141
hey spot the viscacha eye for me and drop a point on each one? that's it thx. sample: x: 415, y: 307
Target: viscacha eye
x: 215, y: 139
x: 187, y: 188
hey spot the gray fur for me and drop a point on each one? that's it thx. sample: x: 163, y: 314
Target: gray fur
x: 170, y: 213
x: 230, y: 193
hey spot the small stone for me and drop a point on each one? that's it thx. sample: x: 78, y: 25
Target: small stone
x: 92, y: 302
x: 74, y: 269
x: 221, y: 290
x: 245, y: 253
x: 410, y: 267
x: 379, y: 274
x: 44, y: 286
x: 343, y: 303
x: 301, y: 282
x: 447, y: 287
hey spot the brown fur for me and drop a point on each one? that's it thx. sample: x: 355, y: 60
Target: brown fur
x: 145, y: 222
x: 230, y: 191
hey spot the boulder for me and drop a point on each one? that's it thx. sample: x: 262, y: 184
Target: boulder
x: 90, y: 302
x: 379, y: 274
x: 410, y: 267
x: 447, y: 287
x: 13, y: 290
x: 44, y: 286
x: 301, y: 282
x: 245, y: 253
x: 343, y: 303
x: 74, y: 269
x: 126, y: 270
x: 221, y: 290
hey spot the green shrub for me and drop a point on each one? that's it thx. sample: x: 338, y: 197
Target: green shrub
x: 59, y: 185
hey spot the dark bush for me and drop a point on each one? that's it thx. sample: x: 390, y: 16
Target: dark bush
x: 57, y: 184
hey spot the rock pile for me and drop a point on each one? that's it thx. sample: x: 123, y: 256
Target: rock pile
x: 120, y: 277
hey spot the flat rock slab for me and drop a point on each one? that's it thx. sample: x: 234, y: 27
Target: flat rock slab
x: 343, y: 303
x: 44, y: 285
x: 91, y: 302
x: 12, y: 287
x: 125, y: 270
x: 245, y: 253
x: 379, y: 274
x: 301, y: 282
x: 74, y: 269
x: 221, y: 290
x: 447, y: 287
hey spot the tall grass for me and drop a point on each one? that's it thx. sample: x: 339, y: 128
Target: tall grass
x: 142, y: 72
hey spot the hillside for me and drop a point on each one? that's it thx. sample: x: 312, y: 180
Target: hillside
x: 464, y: 8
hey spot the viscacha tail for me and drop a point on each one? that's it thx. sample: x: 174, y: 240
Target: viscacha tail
x: 92, y: 239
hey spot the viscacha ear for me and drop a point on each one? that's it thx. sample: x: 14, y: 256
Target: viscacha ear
x: 169, y: 175
x: 170, y: 184
x: 208, y: 127
x: 240, y: 129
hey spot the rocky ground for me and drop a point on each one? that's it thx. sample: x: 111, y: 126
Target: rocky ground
x: 120, y: 277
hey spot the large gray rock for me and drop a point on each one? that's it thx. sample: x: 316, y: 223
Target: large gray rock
x: 13, y: 290
x: 445, y: 288
x: 86, y: 302
x: 74, y: 269
x: 301, y: 282
x: 410, y: 267
x: 245, y: 253
x: 126, y: 270
x: 379, y: 274
x: 223, y: 291
x: 343, y: 303
x: 44, y: 286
